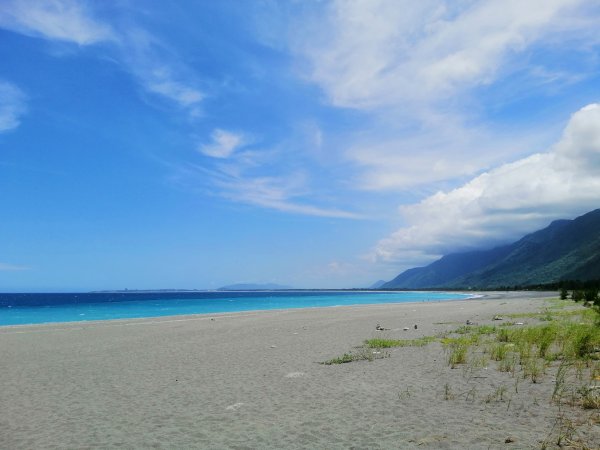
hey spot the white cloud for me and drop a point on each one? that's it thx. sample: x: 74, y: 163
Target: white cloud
x: 378, y: 53
x: 178, y: 92
x: 62, y: 20
x: 415, y: 67
x: 11, y: 267
x: 12, y: 106
x: 503, y: 204
x: 223, y: 145
x: 159, y: 69
x: 142, y: 54
x: 281, y: 193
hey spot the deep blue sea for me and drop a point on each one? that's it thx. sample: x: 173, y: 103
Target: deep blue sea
x: 20, y: 309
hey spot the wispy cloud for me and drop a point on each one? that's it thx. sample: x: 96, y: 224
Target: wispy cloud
x: 242, y: 171
x: 12, y: 106
x: 63, y: 20
x: 279, y: 193
x: 141, y: 53
x: 506, y: 202
x: 11, y: 267
x: 159, y: 70
x: 289, y: 193
x: 384, y: 52
x: 417, y: 70
x: 223, y: 144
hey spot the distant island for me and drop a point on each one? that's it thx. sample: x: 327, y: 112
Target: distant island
x: 254, y: 287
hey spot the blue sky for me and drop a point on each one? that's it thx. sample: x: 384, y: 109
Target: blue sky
x: 307, y: 143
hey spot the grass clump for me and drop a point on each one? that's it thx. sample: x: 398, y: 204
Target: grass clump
x: 345, y: 358
x: 390, y: 343
x: 497, y: 395
x: 361, y: 354
x: 458, y: 349
x: 477, y: 330
x: 499, y: 351
x: 590, y: 397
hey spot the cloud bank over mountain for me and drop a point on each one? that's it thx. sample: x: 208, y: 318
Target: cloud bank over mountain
x: 505, y: 202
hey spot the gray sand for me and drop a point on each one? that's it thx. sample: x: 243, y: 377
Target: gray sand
x: 251, y: 380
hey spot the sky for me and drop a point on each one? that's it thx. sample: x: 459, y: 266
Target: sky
x: 313, y: 144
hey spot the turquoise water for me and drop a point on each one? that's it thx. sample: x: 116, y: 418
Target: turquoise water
x: 20, y: 309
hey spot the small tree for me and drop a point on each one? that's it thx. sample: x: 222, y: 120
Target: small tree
x: 591, y: 295
x: 564, y: 294
x: 577, y: 296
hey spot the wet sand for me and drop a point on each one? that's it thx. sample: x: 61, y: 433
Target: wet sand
x: 253, y: 380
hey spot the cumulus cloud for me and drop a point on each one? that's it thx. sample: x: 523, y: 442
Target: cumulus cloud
x: 223, y: 145
x: 63, y: 20
x: 501, y: 205
x: 12, y: 106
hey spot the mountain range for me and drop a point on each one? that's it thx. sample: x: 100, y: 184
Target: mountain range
x: 564, y: 250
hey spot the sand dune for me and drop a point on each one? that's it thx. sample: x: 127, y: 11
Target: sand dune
x: 252, y: 380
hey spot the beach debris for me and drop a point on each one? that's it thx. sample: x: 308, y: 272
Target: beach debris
x: 416, y: 326
x: 509, y: 439
x: 498, y: 317
x: 273, y: 346
x: 519, y: 323
x: 469, y: 322
x: 405, y: 328
x: 380, y: 328
x: 294, y: 375
x: 234, y: 407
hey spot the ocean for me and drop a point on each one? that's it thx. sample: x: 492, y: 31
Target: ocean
x: 21, y: 309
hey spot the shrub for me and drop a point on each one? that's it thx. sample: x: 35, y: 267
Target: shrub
x: 577, y: 296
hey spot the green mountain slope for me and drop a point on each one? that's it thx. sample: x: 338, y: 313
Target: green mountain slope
x: 566, y: 249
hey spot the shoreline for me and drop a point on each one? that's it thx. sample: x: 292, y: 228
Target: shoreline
x: 253, y: 380
x: 475, y: 295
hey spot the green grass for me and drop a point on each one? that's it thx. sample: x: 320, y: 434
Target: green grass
x: 359, y: 354
x: 345, y: 358
x: 390, y: 343
x: 571, y: 336
x: 476, y: 329
x: 499, y: 351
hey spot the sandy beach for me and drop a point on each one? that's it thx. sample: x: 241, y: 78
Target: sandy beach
x: 253, y: 380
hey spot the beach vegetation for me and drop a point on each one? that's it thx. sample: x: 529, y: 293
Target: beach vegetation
x: 361, y: 353
x: 497, y: 395
x: 508, y: 364
x: 458, y: 354
x: 590, y: 397
x: 533, y: 370
x: 577, y: 296
x: 448, y: 394
x: 390, y: 343
x: 478, y: 330
x: 498, y: 351
x: 405, y: 394
x: 345, y: 358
